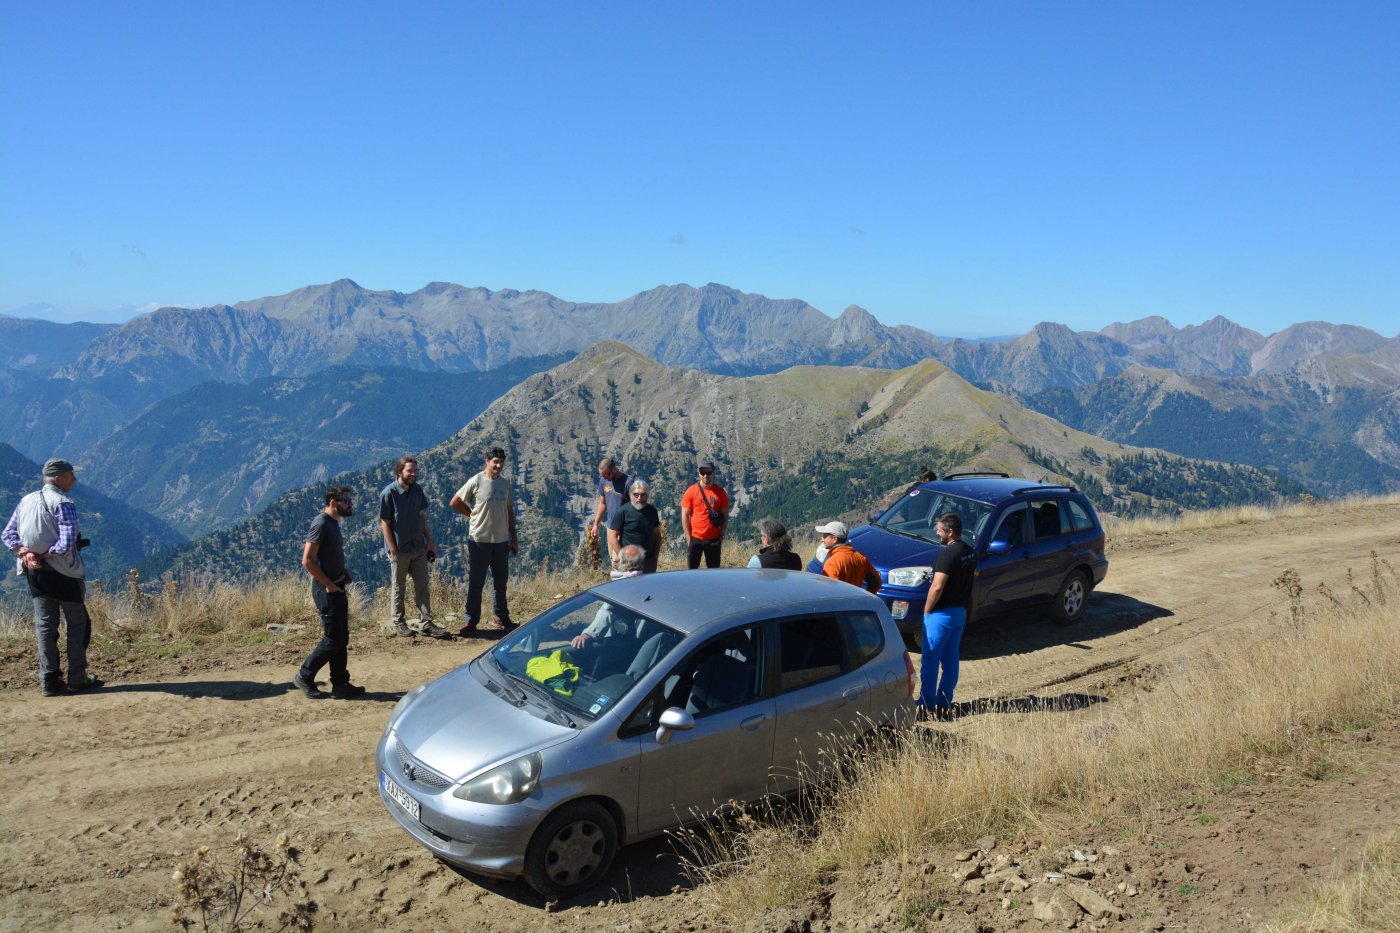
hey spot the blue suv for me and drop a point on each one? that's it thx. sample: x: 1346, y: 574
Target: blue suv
x: 1037, y: 544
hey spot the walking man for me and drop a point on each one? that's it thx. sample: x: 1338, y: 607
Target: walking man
x: 636, y: 523
x: 486, y: 501
x: 704, y: 514
x: 43, y: 533
x: 403, y: 518
x: 323, y: 556
x: 945, y: 616
x: 612, y: 496
x: 844, y: 562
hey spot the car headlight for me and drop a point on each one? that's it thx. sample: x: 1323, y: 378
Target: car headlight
x: 406, y: 699
x: 507, y: 783
x: 910, y: 576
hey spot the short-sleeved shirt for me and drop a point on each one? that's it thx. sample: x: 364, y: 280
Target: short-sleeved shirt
x: 402, y: 509
x: 614, y: 493
x: 694, y: 502
x: 638, y: 526
x: 330, y: 551
x: 960, y: 564
x: 491, y: 504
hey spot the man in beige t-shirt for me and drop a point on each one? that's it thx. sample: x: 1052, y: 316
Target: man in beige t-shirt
x: 486, y: 501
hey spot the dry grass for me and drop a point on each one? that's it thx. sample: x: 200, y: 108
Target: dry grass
x: 1367, y: 899
x: 1236, y: 515
x: 1333, y: 661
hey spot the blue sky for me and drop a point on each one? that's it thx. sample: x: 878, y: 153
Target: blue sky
x: 968, y: 168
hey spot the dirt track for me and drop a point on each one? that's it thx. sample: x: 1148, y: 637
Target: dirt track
x: 106, y: 793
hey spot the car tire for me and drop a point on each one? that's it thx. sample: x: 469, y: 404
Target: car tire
x: 573, y: 848
x: 1070, y: 599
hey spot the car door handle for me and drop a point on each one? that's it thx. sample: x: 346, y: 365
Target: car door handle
x: 752, y: 723
x: 851, y: 694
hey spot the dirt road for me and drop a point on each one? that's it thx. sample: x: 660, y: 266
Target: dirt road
x: 105, y: 794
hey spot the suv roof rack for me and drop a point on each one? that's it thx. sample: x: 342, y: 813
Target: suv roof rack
x: 1041, y: 487
x: 978, y: 473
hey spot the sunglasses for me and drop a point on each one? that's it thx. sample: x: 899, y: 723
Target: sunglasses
x: 706, y: 472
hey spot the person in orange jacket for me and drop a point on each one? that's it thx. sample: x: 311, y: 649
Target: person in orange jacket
x: 844, y: 562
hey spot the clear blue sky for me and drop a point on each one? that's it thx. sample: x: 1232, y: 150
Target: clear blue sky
x: 969, y: 168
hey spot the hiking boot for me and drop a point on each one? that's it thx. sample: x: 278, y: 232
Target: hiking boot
x: 467, y: 631
x: 346, y: 691
x: 308, y: 688
x: 402, y: 630
x: 56, y: 688
x: 431, y: 630
x: 508, y: 627
x: 88, y: 682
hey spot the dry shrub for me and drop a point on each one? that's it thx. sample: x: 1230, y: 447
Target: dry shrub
x: 1246, y: 707
x: 1366, y: 899
x: 226, y: 889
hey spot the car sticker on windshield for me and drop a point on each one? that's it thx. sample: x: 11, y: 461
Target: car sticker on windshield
x: 914, y: 492
x: 601, y: 702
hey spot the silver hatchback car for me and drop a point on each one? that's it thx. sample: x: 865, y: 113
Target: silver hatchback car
x: 635, y: 707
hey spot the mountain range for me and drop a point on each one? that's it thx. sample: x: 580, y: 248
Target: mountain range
x: 205, y: 415
x: 804, y: 443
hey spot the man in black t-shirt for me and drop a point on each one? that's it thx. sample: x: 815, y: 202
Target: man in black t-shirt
x: 323, y: 557
x: 637, y: 523
x: 945, y: 616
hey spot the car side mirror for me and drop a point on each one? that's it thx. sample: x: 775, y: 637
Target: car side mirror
x: 998, y: 547
x: 675, y: 719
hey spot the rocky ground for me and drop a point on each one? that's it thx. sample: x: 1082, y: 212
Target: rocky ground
x: 108, y: 793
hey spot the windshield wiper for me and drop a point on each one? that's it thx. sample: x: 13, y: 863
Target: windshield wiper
x: 556, y: 714
x: 518, y: 696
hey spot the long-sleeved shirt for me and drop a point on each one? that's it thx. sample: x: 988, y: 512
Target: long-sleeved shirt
x: 67, y: 519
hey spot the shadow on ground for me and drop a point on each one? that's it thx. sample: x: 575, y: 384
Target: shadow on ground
x: 234, y: 690
x: 1108, y: 613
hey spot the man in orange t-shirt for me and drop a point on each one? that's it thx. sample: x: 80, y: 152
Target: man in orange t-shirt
x: 704, y: 513
x: 844, y: 562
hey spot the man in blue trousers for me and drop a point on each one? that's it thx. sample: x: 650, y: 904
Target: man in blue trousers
x: 945, y: 616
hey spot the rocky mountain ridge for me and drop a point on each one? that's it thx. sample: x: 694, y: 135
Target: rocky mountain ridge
x: 802, y: 443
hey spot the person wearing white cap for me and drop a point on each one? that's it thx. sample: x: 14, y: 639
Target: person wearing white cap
x: 844, y: 562
x: 43, y: 534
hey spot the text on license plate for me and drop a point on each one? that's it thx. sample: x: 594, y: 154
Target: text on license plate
x: 899, y: 608
x: 399, y: 795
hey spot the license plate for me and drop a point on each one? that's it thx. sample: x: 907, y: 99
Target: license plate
x: 399, y: 795
x: 899, y: 608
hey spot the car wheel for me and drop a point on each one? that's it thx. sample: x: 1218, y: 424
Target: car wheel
x: 572, y: 849
x: 1070, y: 599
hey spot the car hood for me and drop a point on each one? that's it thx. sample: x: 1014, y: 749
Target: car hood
x: 457, y: 726
x: 887, y: 550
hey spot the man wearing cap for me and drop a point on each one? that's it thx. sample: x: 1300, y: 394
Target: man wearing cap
x: 704, y: 513
x: 844, y: 562
x: 43, y: 534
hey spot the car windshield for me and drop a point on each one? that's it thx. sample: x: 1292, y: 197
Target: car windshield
x: 585, y: 654
x: 918, y: 512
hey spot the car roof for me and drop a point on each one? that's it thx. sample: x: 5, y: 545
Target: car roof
x: 689, y: 600
x: 994, y: 489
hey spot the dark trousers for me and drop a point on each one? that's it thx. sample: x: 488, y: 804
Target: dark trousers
x: 480, y: 558
x: 334, y: 646
x: 708, y: 548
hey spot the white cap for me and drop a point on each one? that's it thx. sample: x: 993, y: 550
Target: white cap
x: 832, y: 528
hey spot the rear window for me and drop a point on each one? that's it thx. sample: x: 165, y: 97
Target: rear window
x: 1079, y: 517
x: 865, y: 635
